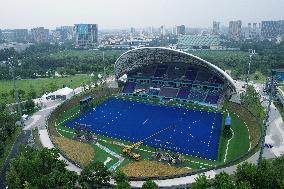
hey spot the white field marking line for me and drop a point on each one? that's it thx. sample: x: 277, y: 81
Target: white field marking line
x: 145, y: 121
x: 57, y: 130
x: 198, y: 162
x: 120, y: 158
x: 249, y: 135
x: 228, y: 144
x: 68, y: 118
x: 107, y: 160
x: 247, y: 129
x: 65, y: 131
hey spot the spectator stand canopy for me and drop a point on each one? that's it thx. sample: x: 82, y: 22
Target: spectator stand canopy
x: 146, y: 56
x: 85, y: 101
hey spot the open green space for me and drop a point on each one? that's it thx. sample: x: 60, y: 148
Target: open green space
x: 8, y: 146
x: 39, y: 86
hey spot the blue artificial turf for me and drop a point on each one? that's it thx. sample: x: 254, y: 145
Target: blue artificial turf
x: 196, y: 132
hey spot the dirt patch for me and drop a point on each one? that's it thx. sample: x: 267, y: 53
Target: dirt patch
x: 79, y: 152
x: 150, y: 169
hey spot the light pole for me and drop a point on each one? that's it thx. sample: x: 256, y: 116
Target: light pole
x: 104, y: 66
x: 16, y: 94
x: 251, y: 53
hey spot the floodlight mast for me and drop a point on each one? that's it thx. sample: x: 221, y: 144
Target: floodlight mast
x: 16, y: 94
x: 104, y: 67
x: 251, y: 53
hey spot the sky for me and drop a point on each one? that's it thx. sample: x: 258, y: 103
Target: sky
x: 110, y: 14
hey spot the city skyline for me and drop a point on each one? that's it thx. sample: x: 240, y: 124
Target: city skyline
x: 112, y: 14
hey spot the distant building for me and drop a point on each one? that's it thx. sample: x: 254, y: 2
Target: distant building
x: 86, y: 35
x: 39, y: 35
x: 21, y: 34
x: 15, y: 35
x: 216, y: 28
x: 162, y: 31
x: 132, y: 30
x: 235, y: 30
x: 198, y: 42
x: 252, y: 31
x: 272, y: 29
x: 269, y: 29
x: 181, y: 30
x: 63, y: 33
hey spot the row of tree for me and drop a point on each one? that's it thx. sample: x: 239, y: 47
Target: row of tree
x: 251, y: 100
x: 7, y: 127
x: 41, y: 168
x: 270, y: 175
x: 43, y: 60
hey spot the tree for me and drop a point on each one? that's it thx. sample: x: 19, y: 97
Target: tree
x: 2, y: 147
x: 94, y: 175
x: 201, y: 182
x: 223, y: 181
x: 121, y: 181
x: 32, y: 93
x: 53, y: 86
x: 30, y: 105
x: 149, y: 184
x: 34, y: 168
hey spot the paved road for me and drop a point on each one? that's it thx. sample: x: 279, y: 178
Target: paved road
x: 21, y: 139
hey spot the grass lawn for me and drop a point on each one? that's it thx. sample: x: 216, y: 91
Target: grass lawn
x: 256, y: 77
x: 8, y: 146
x: 40, y: 85
x: 280, y: 109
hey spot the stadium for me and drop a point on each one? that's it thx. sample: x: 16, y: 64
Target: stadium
x: 169, y: 109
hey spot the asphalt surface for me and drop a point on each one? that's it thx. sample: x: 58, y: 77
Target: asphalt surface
x: 22, y: 139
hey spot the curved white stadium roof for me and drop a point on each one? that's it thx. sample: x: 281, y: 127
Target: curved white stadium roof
x: 144, y: 56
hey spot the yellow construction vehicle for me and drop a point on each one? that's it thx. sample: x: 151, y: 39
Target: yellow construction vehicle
x: 128, y: 149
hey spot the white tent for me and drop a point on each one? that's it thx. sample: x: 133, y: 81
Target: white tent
x: 64, y: 93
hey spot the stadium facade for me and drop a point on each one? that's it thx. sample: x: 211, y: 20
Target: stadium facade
x: 172, y: 74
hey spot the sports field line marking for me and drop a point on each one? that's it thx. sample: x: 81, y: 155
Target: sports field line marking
x: 65, y: 131
x: 196, y: 162
x: 225, y: 158
x: 68, y: 118
x: 107, y: 160
x: 249, y: 135
x: 145, y: 121
x: 57, y: 130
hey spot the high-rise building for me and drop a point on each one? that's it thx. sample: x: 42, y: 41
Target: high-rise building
x: 272, y: 29
x: 64, y: 33
x: 181, y: 30
x: 216, y: 28
x: 269, y: 29
x: 86, y: 35
x: 15, y: 35
x: 132, y: 30
x: 235, y: 30
x: 39, y: 35
x: 21, y: 34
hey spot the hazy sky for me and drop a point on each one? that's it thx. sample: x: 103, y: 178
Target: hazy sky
x: 137, y: 13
